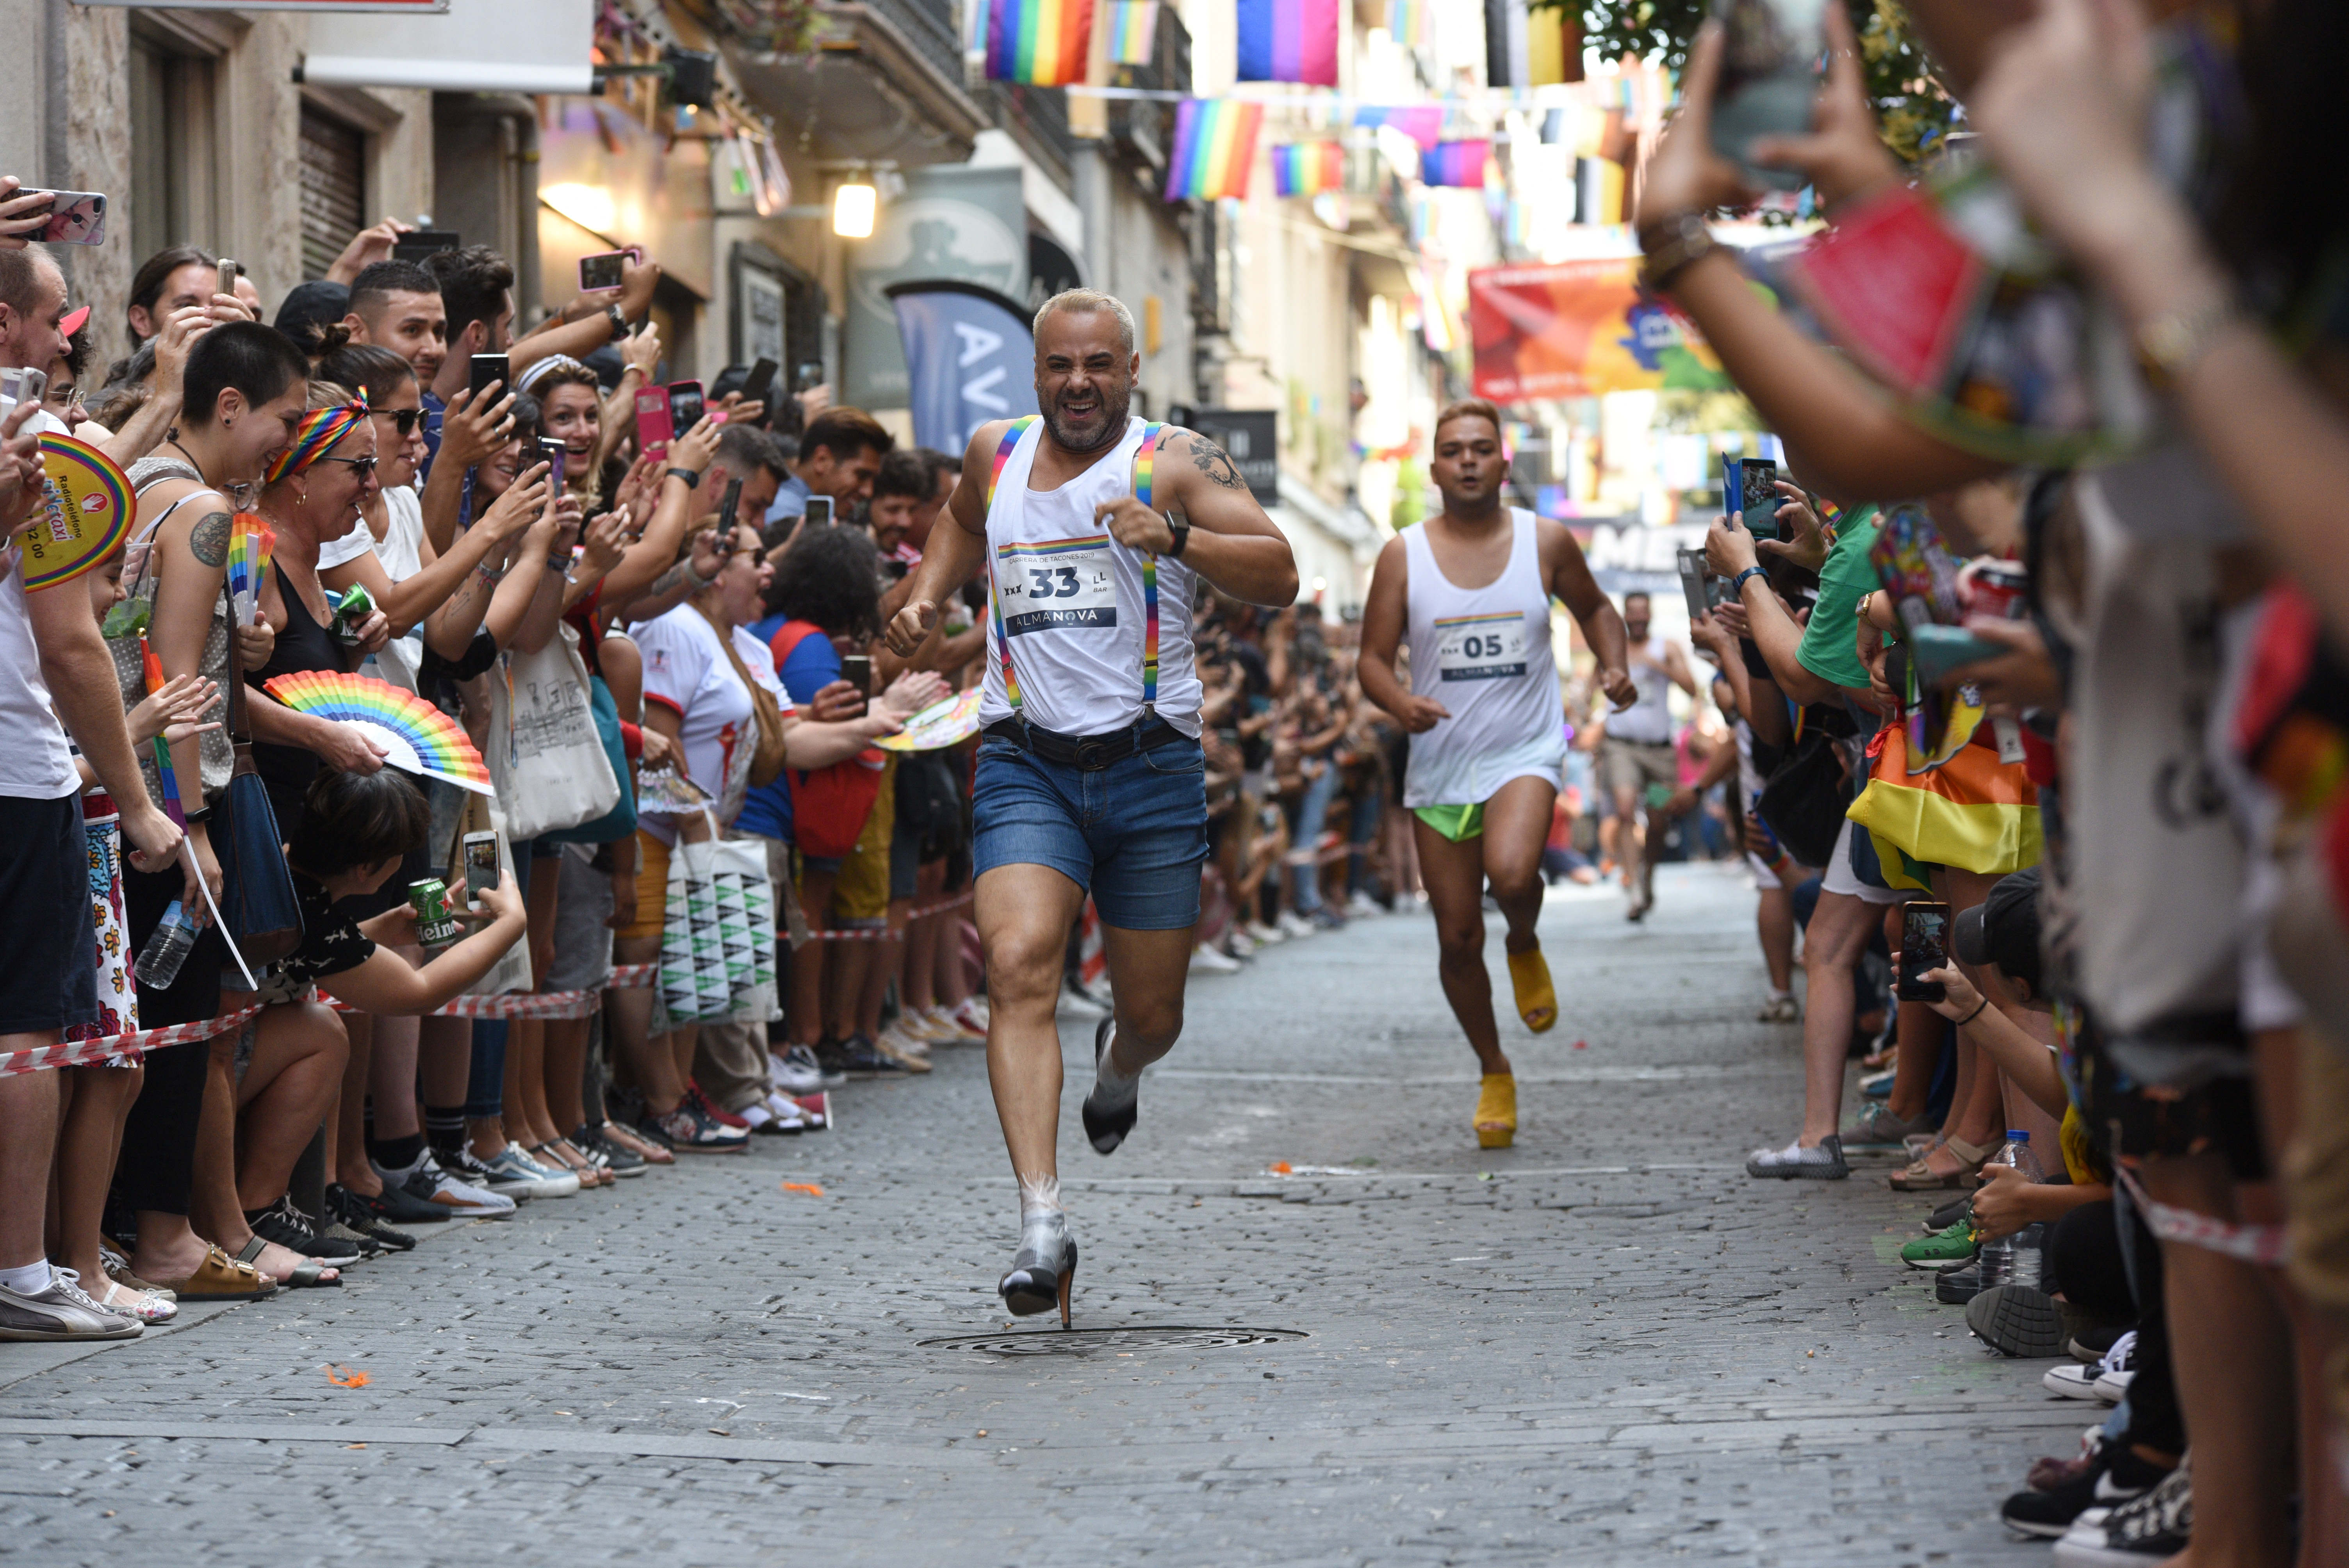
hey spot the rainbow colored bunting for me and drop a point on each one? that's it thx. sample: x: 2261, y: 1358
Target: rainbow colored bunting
x: 1289, y: 41
x: 1407, y: 22
x: 1307, y: 168
x: 1042, y: 43
x: 1214, y: 149
x: 1133, y: 31
x: 1457, y: 163
x: 1424, y: 123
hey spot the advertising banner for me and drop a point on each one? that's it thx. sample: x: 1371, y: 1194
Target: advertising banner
x: 951, y: 221
x: 970, y: 356
x: 1577, y: 329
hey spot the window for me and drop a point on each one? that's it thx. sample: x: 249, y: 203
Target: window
x: 333, y: 188
x: 172, y: 185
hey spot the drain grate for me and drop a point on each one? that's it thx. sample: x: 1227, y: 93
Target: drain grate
x: 1112, y: 1341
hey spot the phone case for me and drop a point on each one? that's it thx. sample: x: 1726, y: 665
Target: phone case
x: 1769, y: 78
x: 78, y: 217
x: 653, y: 432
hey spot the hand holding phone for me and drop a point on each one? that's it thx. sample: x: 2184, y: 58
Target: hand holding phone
x: 480, y: 855
x: 857, y: 669
x: 1769, y: 78
x: 487, y: 368
x: 655, y: 430
x: 1924, y: 947
x: 686, y: 406
x: 819, y: 511
x: 603, y: 273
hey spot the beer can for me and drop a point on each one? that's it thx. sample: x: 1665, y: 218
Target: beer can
x: 1999, y: 588
x: 350, y: 612
x: 436, y: 924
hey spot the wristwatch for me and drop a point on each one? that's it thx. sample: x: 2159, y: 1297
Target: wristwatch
x: 692, y: 479
x: 1182, y: 538
x: 1737, y: 583
x: 619, y: 322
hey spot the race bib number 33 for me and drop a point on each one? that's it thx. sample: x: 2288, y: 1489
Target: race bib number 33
x: 1056, y: 584
x: 1481, y: 647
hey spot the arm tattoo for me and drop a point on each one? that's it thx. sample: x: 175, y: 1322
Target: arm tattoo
x: 208, y: 540
x: 668, y: 579
x: 1215, y: 464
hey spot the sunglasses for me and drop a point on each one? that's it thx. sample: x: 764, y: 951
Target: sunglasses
x: 361, y: 467
x: 402, y: 419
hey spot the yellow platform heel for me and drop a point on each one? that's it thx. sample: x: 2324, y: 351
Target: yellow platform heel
x: 1496, y: 1111
x: 1536, y: 998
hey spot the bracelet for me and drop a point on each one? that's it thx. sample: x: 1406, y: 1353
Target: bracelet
x: 491, y: 577
x: 559, y: 564
x: 2173, y: 342
x: 197, y: 818
x: 1977, y: 1013
x: 1737, y: 583
x: 1672, y: 246
x: 692, y: 478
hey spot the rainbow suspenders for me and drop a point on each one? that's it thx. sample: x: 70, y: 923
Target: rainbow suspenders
x: 1145, y: 461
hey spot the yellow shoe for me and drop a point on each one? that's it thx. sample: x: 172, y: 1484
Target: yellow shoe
x: 1536, y: 998
x: 1496, y: 1111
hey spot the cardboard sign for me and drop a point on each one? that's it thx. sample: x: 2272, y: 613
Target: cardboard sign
x: 88, y: 510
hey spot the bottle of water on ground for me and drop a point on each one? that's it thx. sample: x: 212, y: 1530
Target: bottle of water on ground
x: 2014, y: 1260
x: 160, y: 960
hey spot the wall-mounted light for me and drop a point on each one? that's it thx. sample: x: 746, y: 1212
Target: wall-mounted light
x: 855, y: 204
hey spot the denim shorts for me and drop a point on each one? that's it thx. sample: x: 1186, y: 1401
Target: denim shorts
x: 1133, y: 834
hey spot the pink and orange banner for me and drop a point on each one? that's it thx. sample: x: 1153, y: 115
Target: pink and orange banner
x: 1577, y: 329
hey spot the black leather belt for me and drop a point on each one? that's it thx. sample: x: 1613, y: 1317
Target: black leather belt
x: 1087, y: 753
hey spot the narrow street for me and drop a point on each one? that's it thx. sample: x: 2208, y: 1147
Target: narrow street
x: 1606, y: 1345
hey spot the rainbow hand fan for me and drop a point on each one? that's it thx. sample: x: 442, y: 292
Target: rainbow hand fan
x: 250, y: 541
x: 416, y: 737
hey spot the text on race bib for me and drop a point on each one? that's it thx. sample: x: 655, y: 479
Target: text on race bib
x: 1056, y: 584
x: 1481, y: 647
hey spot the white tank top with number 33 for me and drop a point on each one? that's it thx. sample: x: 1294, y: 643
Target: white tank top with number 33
x: 1485, y: 654
x: 1081, y: 628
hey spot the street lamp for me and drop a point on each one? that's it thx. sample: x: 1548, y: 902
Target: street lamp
x: 853, y: 204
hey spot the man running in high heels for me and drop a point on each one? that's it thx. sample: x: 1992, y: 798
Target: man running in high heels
x: 1095, y: 530
x: 1469, y: 588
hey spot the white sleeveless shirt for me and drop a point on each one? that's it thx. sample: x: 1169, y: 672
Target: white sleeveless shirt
x: 1483, y: 653
x: 1648, y: 722
x: 1071, y: 609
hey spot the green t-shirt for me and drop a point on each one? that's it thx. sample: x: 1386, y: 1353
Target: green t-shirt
x: 1847, y: 577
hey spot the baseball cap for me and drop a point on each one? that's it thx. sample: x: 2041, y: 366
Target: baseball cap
x: 2003, y: 929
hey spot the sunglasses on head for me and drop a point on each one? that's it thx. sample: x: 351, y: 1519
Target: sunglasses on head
x: 402, y: 419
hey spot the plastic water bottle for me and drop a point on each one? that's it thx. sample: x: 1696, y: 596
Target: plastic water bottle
x: 2014, y: 1260
x: 160, y: 960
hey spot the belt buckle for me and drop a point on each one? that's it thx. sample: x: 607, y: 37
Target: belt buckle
x: 1091, y: 756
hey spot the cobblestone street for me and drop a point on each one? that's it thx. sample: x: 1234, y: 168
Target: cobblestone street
x: 1605, y: 1346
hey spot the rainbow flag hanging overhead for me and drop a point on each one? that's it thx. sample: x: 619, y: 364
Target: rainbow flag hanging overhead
x: 1215, y: 148
x: 1038, y: 42
x: 1407, y: 22
x: 1307, y: 168
x: 1133, y: 31
x: 1460, y: 163
x: 1424, y: 123
x: 1289, y: 41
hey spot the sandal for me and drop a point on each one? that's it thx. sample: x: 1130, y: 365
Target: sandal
x: 650, y: 1153
x: 1496, y: 1111
x: 1536, y: 997
x: 558, y: 1154
x: 220, y: 1278
x: 1920, y: 1177
x: 118, y: 1269
x: 308, y: 1274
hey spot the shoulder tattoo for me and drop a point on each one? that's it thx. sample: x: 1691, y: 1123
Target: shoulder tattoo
x: 208, y: 540
x: 1215, y: 463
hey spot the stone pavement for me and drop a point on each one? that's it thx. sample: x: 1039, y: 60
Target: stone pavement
x: 1605, y: 1346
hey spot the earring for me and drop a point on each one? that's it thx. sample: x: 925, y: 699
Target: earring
x: 302, y: 495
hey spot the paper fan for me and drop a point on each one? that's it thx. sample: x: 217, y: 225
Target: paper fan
x: 416, y: 737
x: 944, y: 723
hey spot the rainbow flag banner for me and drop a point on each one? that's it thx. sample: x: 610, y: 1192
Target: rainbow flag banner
x: 1424, y: 123
x: 1307, y: 168
x: 1407, y: 21
x: 1460, y: 163
x: 1215, y: 148
x: 1289, y: 41
x: 1042, y: 43
x: 1133, y: 31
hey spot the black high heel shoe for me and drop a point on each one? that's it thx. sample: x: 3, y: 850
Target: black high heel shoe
x: 1043, y: 1271
x: 1104, y: 1129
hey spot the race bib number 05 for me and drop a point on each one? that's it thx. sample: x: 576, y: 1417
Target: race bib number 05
x: 1063, y: 582
x: 1481, y: 647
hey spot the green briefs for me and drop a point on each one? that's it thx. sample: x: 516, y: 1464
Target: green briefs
x: 1457, y: 823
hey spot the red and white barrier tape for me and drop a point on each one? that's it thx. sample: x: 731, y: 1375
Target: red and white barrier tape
x: 81, y: 1053
x: 2263, y: 1245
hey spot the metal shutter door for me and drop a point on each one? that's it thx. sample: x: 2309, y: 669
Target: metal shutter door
x: 334, y: 191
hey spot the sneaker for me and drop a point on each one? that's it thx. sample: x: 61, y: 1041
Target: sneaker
x: 1779, y: 1007
x: 974, y: 1015
x: 611, y: 1156
x: 1959, y: 1286
x: 1949, y: 1213
x: 517, y: 1175
x: 1824, y: 1164
x: 914, y: 1025
x: 796, y: 1071
x: 1077, y: 1002
x: 2095, y: 1341
x: 1877, y: 1086
x: 368, y: 1216
x: 949, y: 1030
x: 446, y: 1196
x: 832, y: 1058
x: 859, y: 1059
x: 294, y: 1231
x: 2145, y: 1530
x: 2072, y: 1380
x: 1294, y: 924
x: 1877, y: 1131
x: 1205, y: 960
x: 1953, y: 1248
x: 907, y: 1053
x: 2019, y: 1320
x: 1264, y: 936
x: 712, y: 1110
x: 1239, y: 944
x: 774, y: 1116
x: 1327, y: 919
x: 2115, y: 1475
x: 398, y: 1206
x: 1362, y: 906
x: 60, y: 1311
x: 688, y: 1131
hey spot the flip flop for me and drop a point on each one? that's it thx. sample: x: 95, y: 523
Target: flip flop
x: 306, y: 1275
x: 1536, y: 997
x: 1496, y: 1111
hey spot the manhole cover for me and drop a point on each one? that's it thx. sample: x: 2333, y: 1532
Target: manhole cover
x: 1112, y: 1341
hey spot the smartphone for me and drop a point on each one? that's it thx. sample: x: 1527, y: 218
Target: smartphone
x: 819, y: 511
x: 418, y: 244
x: 730, y: 505
x: 22, y: 385
x: 1758, y: 479
x: 857, y: 669
x: 76, y: 217
x: 600, y: 273
x: 489, y: 367
x: 807, y: 375
x: 481, y: 866
x: 1769, y: 78
x: 684, y: 405
x: 228, y: 276
x: 554, y: 452
x: 652, y: 428
x: 1924, y: 945
x: 759, y: 382
x: 1691, y: 568
x: 1939, y: 649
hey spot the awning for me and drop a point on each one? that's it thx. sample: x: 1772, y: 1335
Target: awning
x: 477, y: 45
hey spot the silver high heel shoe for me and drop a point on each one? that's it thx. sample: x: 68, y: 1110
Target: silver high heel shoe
x: 1043, y: 1271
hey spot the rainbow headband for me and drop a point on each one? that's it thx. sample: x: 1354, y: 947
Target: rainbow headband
x: 316, y: 436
